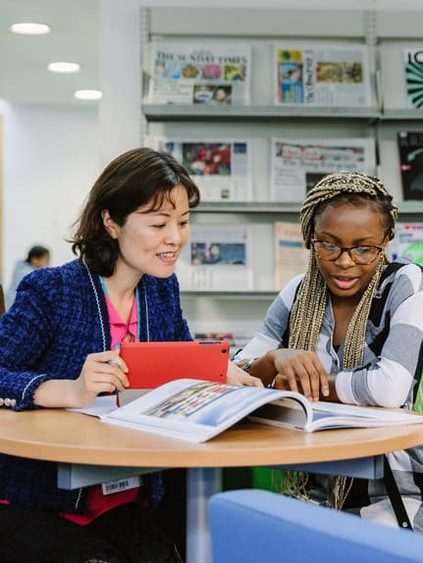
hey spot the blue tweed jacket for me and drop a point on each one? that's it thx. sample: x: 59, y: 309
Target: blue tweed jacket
x: 59, y: 316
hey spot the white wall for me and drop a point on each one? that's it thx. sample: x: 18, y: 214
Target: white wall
x: 51, y: 159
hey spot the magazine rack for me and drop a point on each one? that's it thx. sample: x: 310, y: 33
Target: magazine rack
x: 386, y: 35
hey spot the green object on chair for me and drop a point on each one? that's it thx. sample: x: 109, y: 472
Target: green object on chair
x: 418, y: 403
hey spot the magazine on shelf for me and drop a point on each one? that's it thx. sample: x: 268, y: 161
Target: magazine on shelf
x: 195, y: 411
x: 410, y: 145
x: 213, y: 74
x: 413, y: 66
x: 298, y: 164
x: 217, y: 257
x: 322, y: 74
x: 291, y: 256
x: 407, y: 246
x: 221, y: 168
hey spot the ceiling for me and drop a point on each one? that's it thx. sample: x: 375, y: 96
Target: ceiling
x: 24, y: 78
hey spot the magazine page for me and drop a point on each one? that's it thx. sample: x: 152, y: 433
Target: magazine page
x: 101, y: 406
x: 323, y: 415
x: 322, y: 74
x: 298, y: 164
x: 337, y: 415
x: 407, y: 246
x: 284, y: 413
x: 221, y: 168
x: 213, y: 74
x: 410, y: 146
x: 193, y: 410
x: 413, y: 67
x: 217, y: 257
x: 291, y: 256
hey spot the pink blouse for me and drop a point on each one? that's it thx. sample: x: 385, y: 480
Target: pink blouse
x: 97, y: 502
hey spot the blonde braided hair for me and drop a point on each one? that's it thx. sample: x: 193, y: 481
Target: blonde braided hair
x: 309, y: 307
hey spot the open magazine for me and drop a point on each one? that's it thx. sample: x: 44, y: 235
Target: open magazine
x: 195, y: 411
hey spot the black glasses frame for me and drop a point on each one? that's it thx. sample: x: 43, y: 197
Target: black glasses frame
x: 348, y: 249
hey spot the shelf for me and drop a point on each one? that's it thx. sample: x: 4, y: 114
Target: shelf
x: 247, y: 207
x: 172, y: 112
x: 410, y: 206
x: 405, y: 207
x: 402, y: 114
x: 232, y: 295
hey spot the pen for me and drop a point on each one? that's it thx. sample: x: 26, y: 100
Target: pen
x: 116, y: 391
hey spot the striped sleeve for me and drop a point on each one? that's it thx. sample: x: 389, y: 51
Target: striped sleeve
x: 389, y: 380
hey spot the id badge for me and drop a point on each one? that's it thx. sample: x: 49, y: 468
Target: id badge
x: 119, y: 485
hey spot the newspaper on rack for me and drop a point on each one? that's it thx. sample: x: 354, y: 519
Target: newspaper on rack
x: 407, y: 246
x: 220, y: 168
x: 200, y: 73
x: 413, y: 65
x: 297, y: 164
x: 291, y: 256
x: 217, y: 257
x: 322, y: 74
x: 410, y: 146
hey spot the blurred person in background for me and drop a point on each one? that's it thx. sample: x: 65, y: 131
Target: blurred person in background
x: 38, y: 257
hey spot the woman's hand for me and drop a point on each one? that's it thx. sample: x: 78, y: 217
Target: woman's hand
x: 300, y: 370
x: 237, y: 376
x: 101, y: 372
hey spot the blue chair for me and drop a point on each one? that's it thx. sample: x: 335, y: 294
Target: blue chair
x: 250, y: 526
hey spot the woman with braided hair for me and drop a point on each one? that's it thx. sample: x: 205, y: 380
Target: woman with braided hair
x: 351, y: 328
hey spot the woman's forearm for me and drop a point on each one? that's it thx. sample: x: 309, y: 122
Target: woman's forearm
x: 264, y: 369
x: 56, y: 393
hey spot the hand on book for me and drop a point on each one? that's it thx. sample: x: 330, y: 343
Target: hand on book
x: 237, y: 376
x: 300, y: 370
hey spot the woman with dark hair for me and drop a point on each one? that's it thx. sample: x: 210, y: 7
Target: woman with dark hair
x: 38, y: 257
x: 60, y: 343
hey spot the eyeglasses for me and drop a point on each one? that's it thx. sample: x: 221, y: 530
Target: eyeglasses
x: 362, y: 254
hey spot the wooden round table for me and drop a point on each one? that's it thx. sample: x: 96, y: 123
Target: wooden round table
x: 57, y: 435
x: 74, y: 438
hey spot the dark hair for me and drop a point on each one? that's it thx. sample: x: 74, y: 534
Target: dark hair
x: 36, y: 252
x: 136, y: 178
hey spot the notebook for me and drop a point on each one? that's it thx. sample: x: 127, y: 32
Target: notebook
x: 151, y: 364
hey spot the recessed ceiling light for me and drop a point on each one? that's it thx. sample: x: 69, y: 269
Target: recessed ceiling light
x: 88, y: 95
x: 64, y: 67
x: 30, y: 28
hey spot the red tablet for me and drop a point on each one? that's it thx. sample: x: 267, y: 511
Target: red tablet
x: 151, y: 364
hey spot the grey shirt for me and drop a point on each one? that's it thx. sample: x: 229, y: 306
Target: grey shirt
x: 385, y: 379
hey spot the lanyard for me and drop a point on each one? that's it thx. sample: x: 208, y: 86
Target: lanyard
x: 138, y: 302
